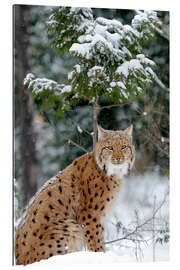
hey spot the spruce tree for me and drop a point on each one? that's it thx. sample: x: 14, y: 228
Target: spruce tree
x: 111, y: 61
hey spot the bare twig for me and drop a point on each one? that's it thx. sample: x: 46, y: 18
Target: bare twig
x: 157, y: 145
x: 88, y: 107
x: 138, y: 240
x: 115, y: 105
x: 140, y: 225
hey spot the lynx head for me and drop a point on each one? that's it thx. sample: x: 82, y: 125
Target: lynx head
x: 114, y: 151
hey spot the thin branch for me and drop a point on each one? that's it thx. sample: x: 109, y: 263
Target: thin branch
x: 160, y: 83
x: 81, y: 108
x: 141, y: 225
x: 114, y: 105
x: 63, y: 135
x: 161, y: 33
x: 157, y: 145
x: 138, y: 240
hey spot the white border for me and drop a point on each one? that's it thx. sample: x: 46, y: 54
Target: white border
x: 128, y: 4
x: 6, y: 125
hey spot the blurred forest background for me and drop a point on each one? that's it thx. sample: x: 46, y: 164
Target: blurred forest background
x: 39, y: 151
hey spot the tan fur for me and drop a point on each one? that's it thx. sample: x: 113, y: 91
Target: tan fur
x: 67, y: 213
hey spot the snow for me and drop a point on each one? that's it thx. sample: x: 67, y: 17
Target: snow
x: 87, y: 12
x: 52, y: 22
x: 121, y: 84
x: 106, y: 35
x: 39, y: 85
x: 85, y: 38
x: 139, y: 19
x: 79, y: 129
x: 125, y: 94
x: 130, y: 30
x: 107, y: 22
x: 112, y: 84
x: 94, y: 70
x: 123, y: 69
x: 139, y: 65
x: 127, y: 66
x: 85, y: 257
x: 113, y: 38
x: 81, y: 50
x: 28, y: 78
x: 66, y: 89
x: 145, y: 17
x: 118, y: 84
x: 84, y: 16
x: 145, y: 60
x: 76, y: 69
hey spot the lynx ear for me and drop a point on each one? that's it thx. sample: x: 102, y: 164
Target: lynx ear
x: 129, y: 130
x: 101, y: 133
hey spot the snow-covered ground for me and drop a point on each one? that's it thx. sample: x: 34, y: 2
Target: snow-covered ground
x: 140, y: 197
x: 110, y: 257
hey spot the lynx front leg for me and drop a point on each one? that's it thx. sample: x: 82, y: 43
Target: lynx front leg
x: 93, y: 232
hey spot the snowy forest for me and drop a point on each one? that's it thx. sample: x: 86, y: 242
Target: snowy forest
x: 75, y: 68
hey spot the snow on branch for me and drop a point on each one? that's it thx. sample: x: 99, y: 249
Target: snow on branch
x: 114, y: 38
x: 111, y: 56
x: 106, y: 37
x: 136, y: 66
x: 69, y: 23
x: 38, y: 85
x: 146, y: 23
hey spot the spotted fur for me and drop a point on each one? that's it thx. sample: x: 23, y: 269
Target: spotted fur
x: 68, y: 212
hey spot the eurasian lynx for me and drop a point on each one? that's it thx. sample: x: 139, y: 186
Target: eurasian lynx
x: 67, y: 213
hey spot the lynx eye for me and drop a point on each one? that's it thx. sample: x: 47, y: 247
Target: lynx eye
x: 109, y: 147
x: 123, y: 147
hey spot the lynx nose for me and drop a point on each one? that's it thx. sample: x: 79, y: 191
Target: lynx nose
x: 119, y: 159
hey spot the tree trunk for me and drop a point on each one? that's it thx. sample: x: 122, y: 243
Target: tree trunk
x: 25, y: 104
